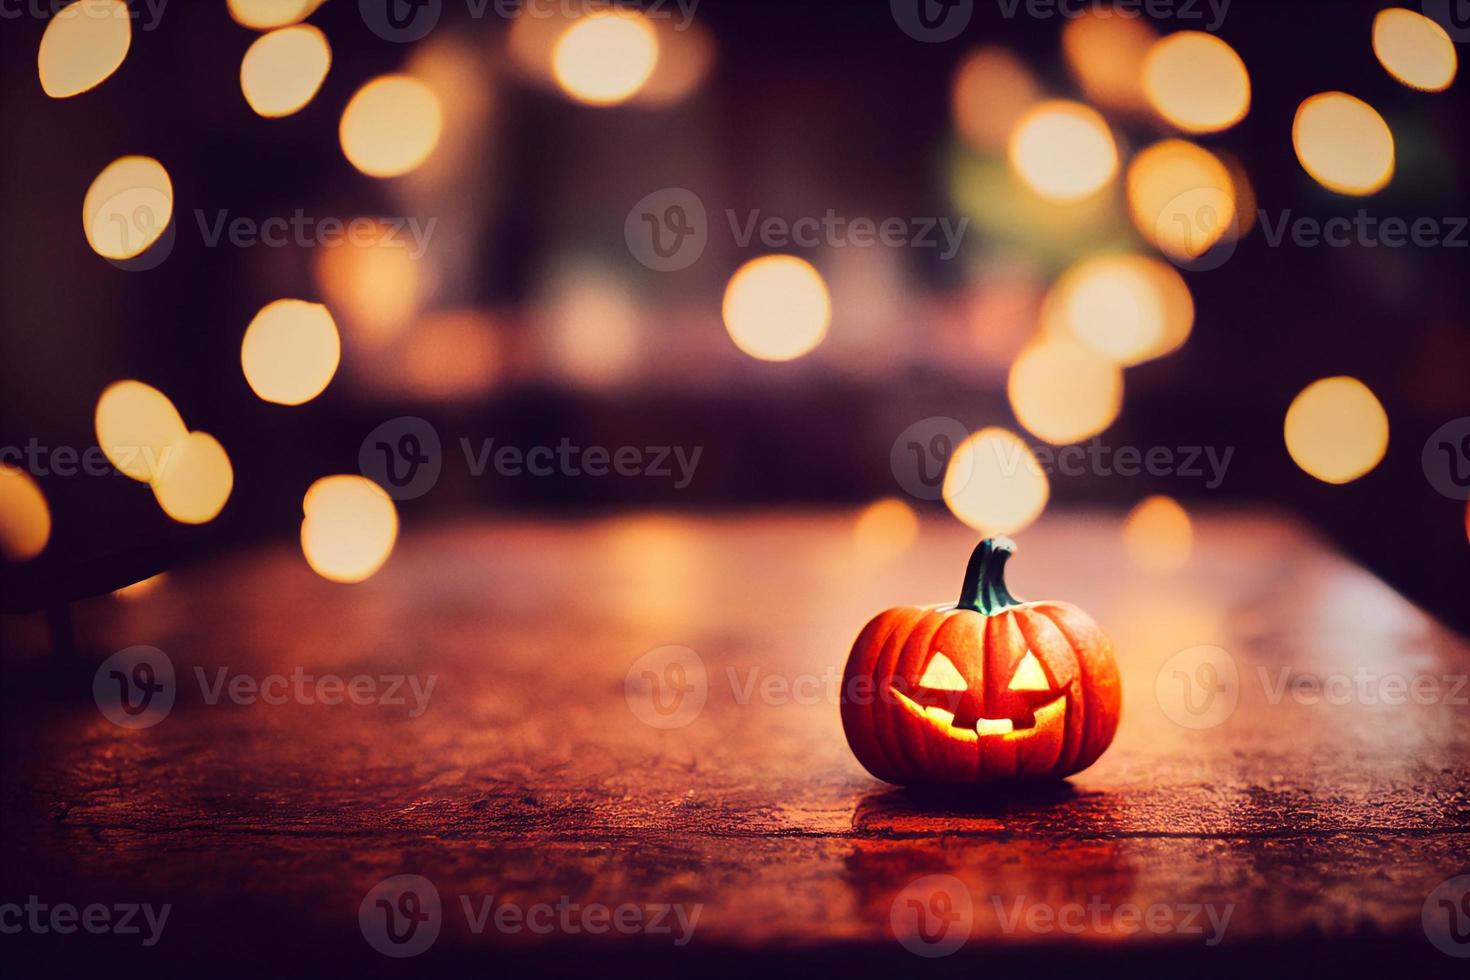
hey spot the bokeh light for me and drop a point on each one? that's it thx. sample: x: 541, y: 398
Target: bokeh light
x: 83, y: 45
x: 1106, y: 54
x: 1158, y: 535
x: 452, y: 355
x: 590, y: 324
x: 1245, y: 196
x: 532, y: 40
x: 1197, y: 82
x: 1129, y: 308
x: 390, y: 125
x: 1064, y: 151
x: 374, y: 283
x: 141, y: 588
x: 265, y: 15
x: 1064, y: 391
x: 127, y: 208
x: 992, y: 90
x: 290, y: 351
x: 1181, y: 198
x: 349, y: 528
x: 1343, y: 143
x: 195, y: 480
x: 995, y: 483
x: 686, y: 55
x: 282, y: 71
x: 605, y: 57
x: 25, y: 519
x: 1414, y: 49
x: 136, y: 424
x: 1336, y: 429
x: 777, y: 307
x: 884, y: 530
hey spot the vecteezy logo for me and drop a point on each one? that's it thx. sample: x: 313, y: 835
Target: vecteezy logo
x: 1452, y: 15
x: 403, y: 21
x: 1446, y: 459
x: 400, y: 916
x: 1446, y: 917
x: 135, y: 214
x: 135, y: 688
x: 919, y: 458
x: 932, y: 916
x: 932, y: 21
x: 667, y: 230
x: 667, y: 687
x: 1198, y: 687
x: 1201, y: 228
x: 403, y: 456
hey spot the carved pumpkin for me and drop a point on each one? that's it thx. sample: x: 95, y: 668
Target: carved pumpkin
x: 988, y: 689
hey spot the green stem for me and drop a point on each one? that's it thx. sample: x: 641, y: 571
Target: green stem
x: 985, y: 585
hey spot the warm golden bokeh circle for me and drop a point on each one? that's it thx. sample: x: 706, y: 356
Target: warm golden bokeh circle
x: 1063, y: 151
x: 290, y: 351
x: 1343, y: 143
x: 83, y: 45
x: 1197, y: 82
x: 1064, y: 391
x: 283, y: 70
x: 995, y: 483
x: 349, y: 528
x: 606, y: 57
x: 777, y: 307
x: 135, y: 425
x: 390, y: 126
x: 1158, y: 535
x: 128, y: 207
x: 1414, y: 49
x: 1181, y: 198
x: 25, y: 518
x: 1336, y: 429
x: 1129, y: 308
x: 196, y: 479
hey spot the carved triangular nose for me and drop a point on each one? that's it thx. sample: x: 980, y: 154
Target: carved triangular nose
x: 969, y: 709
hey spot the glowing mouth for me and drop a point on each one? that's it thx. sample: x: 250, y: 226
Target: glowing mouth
x: 1004, y: 728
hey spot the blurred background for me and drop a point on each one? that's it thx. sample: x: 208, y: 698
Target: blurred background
x: 882, y: 256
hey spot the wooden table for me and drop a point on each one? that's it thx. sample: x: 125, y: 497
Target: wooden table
x: 1322, y: 827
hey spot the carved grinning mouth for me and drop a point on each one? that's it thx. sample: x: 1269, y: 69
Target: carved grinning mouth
x: 1007, y: 729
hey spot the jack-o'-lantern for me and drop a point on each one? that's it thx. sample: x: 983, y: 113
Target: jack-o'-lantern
x: 986, y: 690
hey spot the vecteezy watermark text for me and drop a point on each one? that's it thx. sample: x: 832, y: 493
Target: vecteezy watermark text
x: 64, y: 919
x: 669, y: 229
x: 66, y: 461
x: 1200, y: 687
x: 922, y: 454
x: 401, y: 916
x: 1364, y: 230
x: 147, y: 13
x: 405, y: 457
x: 1209, y: 14
x: 1098, y: 916
x: 406, y: 21
x: 937, y: 21
x: 307, y: 231
x: 567, y: 459
x: 137, y: 687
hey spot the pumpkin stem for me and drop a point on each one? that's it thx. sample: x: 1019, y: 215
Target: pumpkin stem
x: 985, y: 585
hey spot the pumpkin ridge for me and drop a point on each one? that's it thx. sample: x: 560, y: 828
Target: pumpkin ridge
x: 1100, y: 682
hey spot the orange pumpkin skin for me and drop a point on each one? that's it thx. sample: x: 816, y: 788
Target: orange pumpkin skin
x: 988, y: 690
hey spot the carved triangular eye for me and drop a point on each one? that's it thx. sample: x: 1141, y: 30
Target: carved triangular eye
x: 1029, y: 675
x: 942, y: 675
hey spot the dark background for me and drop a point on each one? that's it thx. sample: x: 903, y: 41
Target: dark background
x: 807, y: 106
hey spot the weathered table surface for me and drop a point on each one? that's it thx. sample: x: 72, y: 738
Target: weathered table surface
x: 1317, y: 816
